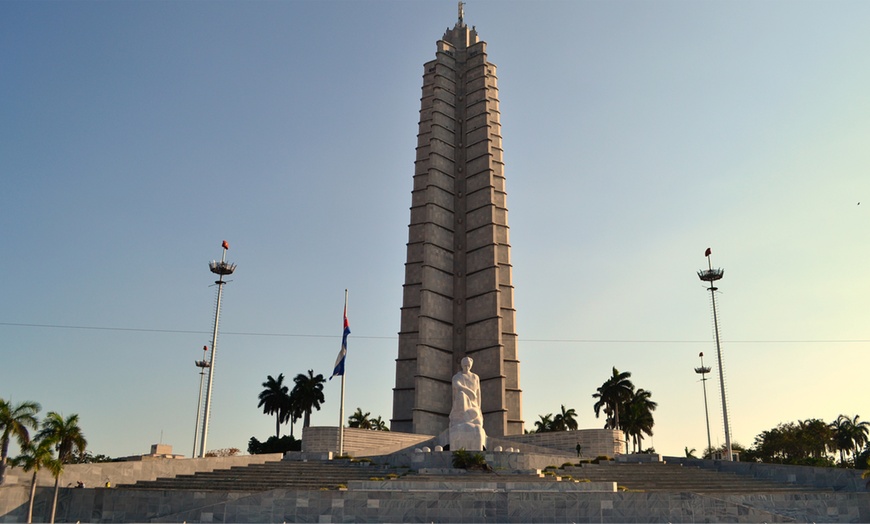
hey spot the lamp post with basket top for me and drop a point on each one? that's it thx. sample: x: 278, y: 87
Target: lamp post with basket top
x: 222, y: 269
x: 202, y: 365
x: 703, y: 370
x: 711, y: 275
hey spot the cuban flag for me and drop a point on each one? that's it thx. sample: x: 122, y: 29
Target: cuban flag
x: 339, y: 362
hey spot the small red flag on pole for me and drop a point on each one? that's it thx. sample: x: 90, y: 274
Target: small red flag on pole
x: 706, y: 253
x: 226, y: 245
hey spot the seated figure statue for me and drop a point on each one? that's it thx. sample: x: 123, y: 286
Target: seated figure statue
x: 466, y: 418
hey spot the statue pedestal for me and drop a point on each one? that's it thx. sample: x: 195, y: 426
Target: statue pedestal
x: 470, y: 437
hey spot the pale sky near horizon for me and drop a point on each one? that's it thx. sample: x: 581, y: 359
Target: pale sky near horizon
x: 136, y: 136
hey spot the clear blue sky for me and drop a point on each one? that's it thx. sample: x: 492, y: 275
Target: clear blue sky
x: 136, y: 136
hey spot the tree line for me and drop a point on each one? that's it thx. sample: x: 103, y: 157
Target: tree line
x: 810, y: 442
x: 58, y: 441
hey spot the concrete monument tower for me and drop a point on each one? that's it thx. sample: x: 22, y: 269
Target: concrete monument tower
x: 458, y: 298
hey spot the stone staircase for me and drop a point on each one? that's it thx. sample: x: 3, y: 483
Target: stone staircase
x: 663, y: 477
x: 315, y: 475
x: 655, y: 477
x: 290, y: 475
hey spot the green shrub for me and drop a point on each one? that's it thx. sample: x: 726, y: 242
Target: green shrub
x: 274, y: 445
x: 462, y: 459
x: 600, y: 458
x: 566, y: 465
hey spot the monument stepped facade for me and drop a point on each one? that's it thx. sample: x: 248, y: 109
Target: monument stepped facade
x: 458, y: 295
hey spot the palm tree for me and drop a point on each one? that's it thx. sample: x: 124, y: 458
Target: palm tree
x: 567, y: 419
x: 859, y: 435
x: 638, y: 417
x: 35, y: 456
x: 275, y: 400
x: 842, y: 436
x: 308, y: 392
x: 615, y: 391
x: 66, y: 436
x: 359, y: 420
x: 849, y: 435
x: 379, y: 424
x: 14, y: 421
x: 295, y: 409
x: 545, y: 424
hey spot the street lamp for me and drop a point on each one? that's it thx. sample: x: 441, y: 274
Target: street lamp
x: 711, y: 275
x: 703, y: 370
x: 201, y: 364
x: 222, y: 268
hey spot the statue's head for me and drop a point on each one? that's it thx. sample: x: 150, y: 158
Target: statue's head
x: 466, y: 364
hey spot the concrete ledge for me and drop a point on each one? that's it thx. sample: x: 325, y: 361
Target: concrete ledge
x: 302, y: 456
x: 639, y: 458
x: 482, y: 486
x: 498, y: 460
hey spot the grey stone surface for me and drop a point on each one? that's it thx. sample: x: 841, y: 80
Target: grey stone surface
x: 480, y: 497
x: 836, y: 478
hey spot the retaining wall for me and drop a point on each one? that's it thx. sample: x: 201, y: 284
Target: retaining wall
x: 594, y: 442
x: 129, y: 472
x: 488, y: 504
x: 358, y: 442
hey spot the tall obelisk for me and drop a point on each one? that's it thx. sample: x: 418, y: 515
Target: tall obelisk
x: 458, y: 295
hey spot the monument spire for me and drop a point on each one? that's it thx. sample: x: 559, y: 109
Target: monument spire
x: 458, y: 298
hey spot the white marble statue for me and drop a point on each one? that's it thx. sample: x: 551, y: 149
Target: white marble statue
x: 466, y: 418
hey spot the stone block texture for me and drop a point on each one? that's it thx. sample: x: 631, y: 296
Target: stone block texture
x: 458, y: 297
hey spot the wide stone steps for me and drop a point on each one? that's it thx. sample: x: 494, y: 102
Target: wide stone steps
x: 655, y: 477
x: 270, y: 475
x: 674, y: 477
x: 636, y: 477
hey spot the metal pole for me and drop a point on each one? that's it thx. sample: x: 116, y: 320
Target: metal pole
x: 207, y: 409
x: 222, y: 268
x: 706, y: 411
x: 341, y: 410
x: 201, y: 364
x: 198, y: 409
x: 728, y: 456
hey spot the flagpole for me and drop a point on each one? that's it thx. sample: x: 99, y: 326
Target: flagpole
x: 341, y: 411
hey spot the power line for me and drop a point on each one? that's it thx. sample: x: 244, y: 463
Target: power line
x: 371, y: 337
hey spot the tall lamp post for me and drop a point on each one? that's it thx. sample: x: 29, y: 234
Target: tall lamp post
x: 222, y: 268
x: 703, y: 370
x: 711, y: 275
x: 201, y: 364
